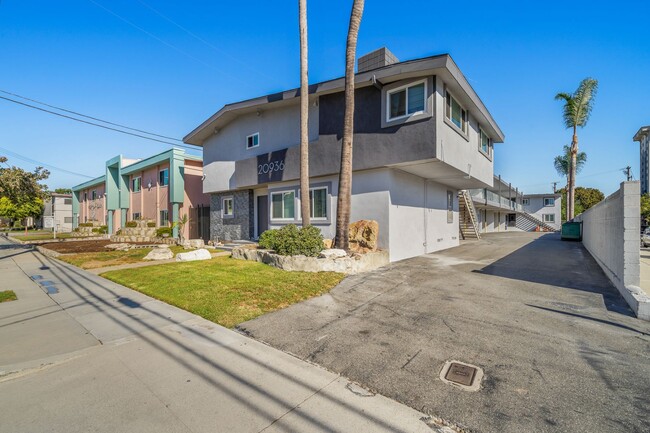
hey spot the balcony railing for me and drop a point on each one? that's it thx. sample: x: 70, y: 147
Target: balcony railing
x: 486, y: 197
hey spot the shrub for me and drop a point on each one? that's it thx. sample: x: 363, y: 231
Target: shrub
x: 292, y: 241
x: 151, y: 224
x: 164, y: 231
x: 131, y: 224
x: 85, y: 224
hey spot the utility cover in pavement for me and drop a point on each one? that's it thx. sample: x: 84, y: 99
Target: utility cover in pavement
x: 462, y: 374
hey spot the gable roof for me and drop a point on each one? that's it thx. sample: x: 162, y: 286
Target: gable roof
x: 441, y: 65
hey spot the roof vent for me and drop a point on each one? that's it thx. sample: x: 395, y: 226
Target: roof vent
x: 376, y: 59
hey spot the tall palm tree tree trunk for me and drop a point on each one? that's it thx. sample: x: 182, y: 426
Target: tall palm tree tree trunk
x: 304, y: 117
x: 343, y: 208
x: 571, y: 193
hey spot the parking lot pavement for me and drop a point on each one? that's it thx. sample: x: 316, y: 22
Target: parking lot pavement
x: 559, y: 347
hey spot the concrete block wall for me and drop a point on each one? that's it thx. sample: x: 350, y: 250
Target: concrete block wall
x: 610, y: 232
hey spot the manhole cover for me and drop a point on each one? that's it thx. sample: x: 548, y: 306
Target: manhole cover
x: 462, y: 374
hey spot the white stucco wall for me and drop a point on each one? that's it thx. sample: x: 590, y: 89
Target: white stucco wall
x: 536, y: 208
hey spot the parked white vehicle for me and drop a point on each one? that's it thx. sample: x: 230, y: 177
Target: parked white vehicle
x: 645, y: 237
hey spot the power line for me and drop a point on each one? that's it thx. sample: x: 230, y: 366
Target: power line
x: 96, y: 124
x: 42, y: 164
x: 88, y: 117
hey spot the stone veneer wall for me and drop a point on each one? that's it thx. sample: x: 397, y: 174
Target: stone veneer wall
x: 238, y: 227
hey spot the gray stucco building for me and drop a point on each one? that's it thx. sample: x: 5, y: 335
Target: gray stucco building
x: 421, y: 134
x: 643, y: 137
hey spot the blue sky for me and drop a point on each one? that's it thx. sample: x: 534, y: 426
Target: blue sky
x: 517, y: 55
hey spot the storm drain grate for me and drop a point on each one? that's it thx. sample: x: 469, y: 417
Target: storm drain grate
x: 461, y: 374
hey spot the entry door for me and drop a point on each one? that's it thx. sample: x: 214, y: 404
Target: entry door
x: 262, y: 214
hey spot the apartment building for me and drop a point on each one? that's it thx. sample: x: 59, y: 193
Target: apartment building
x: 545, y: 207
x: 643, y: 137
x: 421, y: 135
x: 59, y: 206
x: 159, y: 188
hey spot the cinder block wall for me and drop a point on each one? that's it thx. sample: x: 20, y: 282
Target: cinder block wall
x: 611, y: 233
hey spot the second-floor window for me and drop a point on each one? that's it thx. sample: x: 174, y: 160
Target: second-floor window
x: 253, y: 140
x: 163, y: 177
x: 485, y: 144
x: 456, y: 113
x: 549, y: 201
x: 525, y: 202
x: 93, y: 194
x: 406, y: 100
x: 67, y: 201
x: 136, y: 184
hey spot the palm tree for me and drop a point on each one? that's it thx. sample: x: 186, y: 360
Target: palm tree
x: 577, y: 108
x: 342, y: 239
x: 304, y: 116
x: 562, y: 164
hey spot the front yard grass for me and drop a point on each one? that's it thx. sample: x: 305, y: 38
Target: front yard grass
x: 41, y: 236
x: 225, y: 290
x: 110, y: 258
x: 7, y: 295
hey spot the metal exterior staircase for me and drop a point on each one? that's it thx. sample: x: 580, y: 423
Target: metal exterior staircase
x: 469, y: 228
x: 533, y: 223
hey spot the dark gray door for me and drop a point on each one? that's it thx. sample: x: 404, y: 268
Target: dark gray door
x: 262, y: 214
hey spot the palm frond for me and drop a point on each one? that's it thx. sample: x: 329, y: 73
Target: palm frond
x: 562, y: 163
x: 577, y: 106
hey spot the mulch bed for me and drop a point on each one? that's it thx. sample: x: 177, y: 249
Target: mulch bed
x: 83, y: 246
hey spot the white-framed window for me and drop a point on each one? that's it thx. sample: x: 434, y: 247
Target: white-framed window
x: 67, y: 220
x: 136, y: 184
x: 283, y: 205
x: 164, y: 218
x: 525, y: 202
x: 227, y: 207
x: 549, y: 201
x: 253, y: 140
x: 485, y: 143
x: 548, y: 217
x: 406, y: 100
x: 456, y: 113
x: 135, y: 216
x: 163, y: 177
x: 318, y: 202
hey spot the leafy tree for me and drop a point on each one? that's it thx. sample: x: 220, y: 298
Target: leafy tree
x: 645, y: 209
x: 577, y: 109
x: 562, y: 163
x: 63, y: 191
x: 21, y: 192
x: 585, y: 199
x: 344, y: 202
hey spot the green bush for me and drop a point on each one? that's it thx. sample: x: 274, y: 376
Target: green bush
x: 85, y: 224
x: 292, y: 241
x: 131, y: 224
x: 164, y: 230
x: 151, y: 224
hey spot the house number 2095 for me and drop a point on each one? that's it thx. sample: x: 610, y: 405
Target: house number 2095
x: 270, y: 167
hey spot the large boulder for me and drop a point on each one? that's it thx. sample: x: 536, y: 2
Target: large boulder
x: 161, y: 252
x: 201, y: 254
x: 332, y: 253
x: 364, y: 235
x: 118, y: 247
x: 191, y: 244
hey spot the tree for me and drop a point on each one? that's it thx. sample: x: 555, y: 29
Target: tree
x: 645, y: 209
x: 576, y: 112
x: 21, y: 192
x: 63, y: 191
x: 585, y: 199
x: 562, y: 163
x: 304, y: 117
x: 342, y: 239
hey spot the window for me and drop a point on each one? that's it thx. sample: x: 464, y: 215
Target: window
x: 253, y: 140
x: 164, y: 218
x: 455, y: 113
x: 318, y: 202
x: 450, y: 207
x: 485, y: 144
x: 93, y: 194
x: 548, y: 217
x: 67, y: 201
x: 227, y: 209
x: 526, y: 202
x: 135, y: 216
x: 549, y: 201
x: 67, y: 220
x: 407, y: 100
x: 163, y: 177
x: 136, y: 184
x: 283, y: 205
x: 85, y: 196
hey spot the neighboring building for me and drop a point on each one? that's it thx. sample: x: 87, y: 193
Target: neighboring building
x: 545, y: 207
x: 643, y: 137
x: 421, y: 135
x: 60, y: 207
x: 160, y: 188
x: 497, y: 206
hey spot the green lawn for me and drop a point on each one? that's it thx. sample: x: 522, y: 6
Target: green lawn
x: 110, y: 258
x: 43, y: 236
x: 7, y: 295
x: 225, y: 290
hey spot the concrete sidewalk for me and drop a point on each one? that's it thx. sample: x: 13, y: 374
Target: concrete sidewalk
x: 96, y: 356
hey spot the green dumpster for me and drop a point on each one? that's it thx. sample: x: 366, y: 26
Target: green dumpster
x: 572, y: 231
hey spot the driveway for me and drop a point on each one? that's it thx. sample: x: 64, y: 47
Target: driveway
x: 80, y: 353
x: 560, y: 349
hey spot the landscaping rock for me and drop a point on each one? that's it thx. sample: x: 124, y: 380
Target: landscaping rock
x: 327, y: 243
x: 201, y: 254
x: 161, y: 252
x: 364, y: 235
x: 118, y: 247
x: 332, y: 254
x: 191, y: 244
